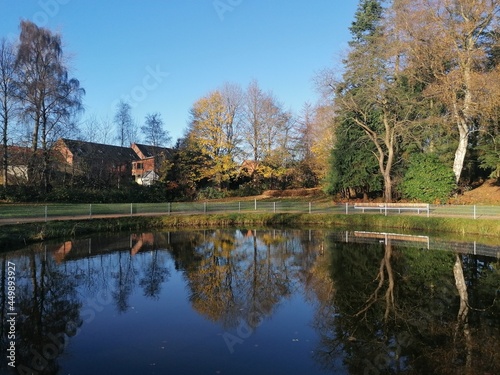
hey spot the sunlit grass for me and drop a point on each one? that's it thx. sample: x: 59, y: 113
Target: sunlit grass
x: 459, y: 227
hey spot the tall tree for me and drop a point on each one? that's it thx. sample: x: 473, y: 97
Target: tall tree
x: 8, y: 99
x: 50, y: 98
x: 233, y: 99
x: 452, y: 61
x: 124, y: 123
x: 306, y: 131
x: 358, y: 92
x: 186, y: 173
x: 153, y: 131
x: 212, y: 130
x: 372, y: 94
x: 264, y: 120
x: 303, y: 148
x: 324, y: 138
x: 353, y: 170
x: 314, y: 143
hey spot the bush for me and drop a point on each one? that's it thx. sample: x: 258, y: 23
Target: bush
x: 19, y: 193
x: 427, y: 179
x: 246, y: 189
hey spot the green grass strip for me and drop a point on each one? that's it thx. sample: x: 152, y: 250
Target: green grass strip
x: 21, y: 234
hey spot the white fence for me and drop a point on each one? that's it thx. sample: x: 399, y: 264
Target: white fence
x: 20, y: 213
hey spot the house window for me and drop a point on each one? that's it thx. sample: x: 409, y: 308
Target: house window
x: 139, y: 166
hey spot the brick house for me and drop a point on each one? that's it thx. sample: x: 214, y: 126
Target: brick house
x: 106, y: 164
x: 146, y: 169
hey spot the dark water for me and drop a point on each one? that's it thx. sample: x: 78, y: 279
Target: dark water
x: 252, y: 302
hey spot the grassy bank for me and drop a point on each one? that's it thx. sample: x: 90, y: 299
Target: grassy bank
x: 18, y: 235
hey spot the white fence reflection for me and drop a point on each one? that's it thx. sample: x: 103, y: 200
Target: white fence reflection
x: 417, y: 241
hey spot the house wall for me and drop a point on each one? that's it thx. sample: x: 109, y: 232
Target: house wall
x: 142, y: 166
x: 65, y: 153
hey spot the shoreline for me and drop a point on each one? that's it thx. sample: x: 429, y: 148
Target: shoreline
x: 27, y: 233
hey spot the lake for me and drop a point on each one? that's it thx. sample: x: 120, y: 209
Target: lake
x: 246, y: 301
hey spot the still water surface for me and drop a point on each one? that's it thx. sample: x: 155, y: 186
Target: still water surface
x: 253, y: 302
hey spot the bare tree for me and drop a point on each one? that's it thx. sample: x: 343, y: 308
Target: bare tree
x: 90, y: 129
x: 306, y: 131
x: 124, y: 123
x: 233, y: 99
x: 153, y: 131
x: 306, y: 147
x: 264, y: 119
x: 50, y: 98
x: 97, y: 130
x: 8, y: 99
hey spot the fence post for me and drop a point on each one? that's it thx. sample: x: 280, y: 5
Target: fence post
x: 347, y: 208
x: 385, y: 208
x: 310, y: 208
x: 131, y: 209
x: 239, y: 207
x: 255, y: 204
x: 274, y: 207
x: 474, y: 212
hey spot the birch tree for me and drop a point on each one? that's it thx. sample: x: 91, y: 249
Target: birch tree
x: 124, y: 123
x: 50, y: 98
x: 447, y: 44
x: 8, y: 99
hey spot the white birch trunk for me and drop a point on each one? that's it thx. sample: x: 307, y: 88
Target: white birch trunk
x: 458, y: 163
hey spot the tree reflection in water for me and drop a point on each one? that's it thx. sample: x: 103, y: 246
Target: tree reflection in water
x: 378, y: 308
x: 411, y: 313
x: 47, y: 309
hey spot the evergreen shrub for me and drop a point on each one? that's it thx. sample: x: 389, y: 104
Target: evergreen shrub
x: 427, y: 179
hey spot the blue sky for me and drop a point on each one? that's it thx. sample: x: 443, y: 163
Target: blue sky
x: 163, y: 55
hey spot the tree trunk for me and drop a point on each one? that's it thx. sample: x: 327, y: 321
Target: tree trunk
x: 351, y: 193
x: 458, y: 162
x: 389, y: 144
x: 463, y: 117
x: 32, y: 162
x: 46, y: 157
x: 5, y: 157
x: 387, y: 186
x: 34, y: 139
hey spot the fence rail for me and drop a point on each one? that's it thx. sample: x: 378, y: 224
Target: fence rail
x: 20, y: 213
